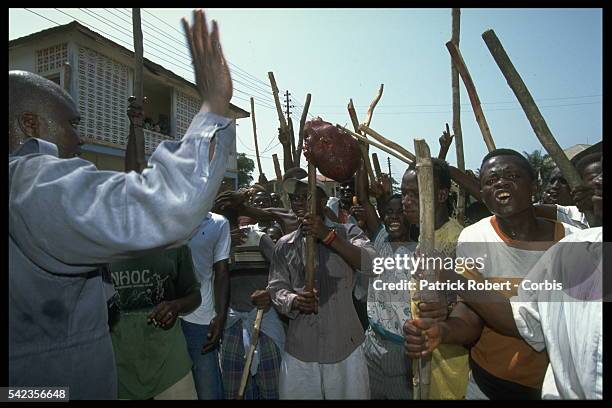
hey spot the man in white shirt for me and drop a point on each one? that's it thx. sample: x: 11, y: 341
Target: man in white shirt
x: 66, y: 218
x: 203, y: 328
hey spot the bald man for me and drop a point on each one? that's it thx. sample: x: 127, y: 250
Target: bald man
x: 66, y: 218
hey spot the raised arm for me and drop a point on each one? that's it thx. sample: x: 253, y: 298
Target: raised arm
x: 83, y: 216
x: 372, y: 221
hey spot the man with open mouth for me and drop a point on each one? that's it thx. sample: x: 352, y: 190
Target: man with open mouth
x: 510, y: 242
x: 567, y: 323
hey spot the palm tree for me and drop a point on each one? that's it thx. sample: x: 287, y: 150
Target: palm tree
x: 542, y: 165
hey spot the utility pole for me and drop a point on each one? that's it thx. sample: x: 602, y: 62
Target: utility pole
x: 288, y: 105
x: 389, y: 164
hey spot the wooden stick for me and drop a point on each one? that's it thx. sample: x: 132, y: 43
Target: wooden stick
x: 137, y: 150
x: 292, y: 141
x: 376, y: 166
x: 386, y: 141
x: 279, y: 109
x: 373, y: 105
x: 426, y: 244
x: 456, y: 25
x: 471, y: 90
x: 531, y: 110
x: 363, y: 148
x: 301, y: 132
x: 255, y: 135
x: 382, y: 147
x: 277, y: 169
x: 249, y: 358
x: 310, y: 239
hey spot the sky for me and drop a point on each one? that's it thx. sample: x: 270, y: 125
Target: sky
x: 337, y: 54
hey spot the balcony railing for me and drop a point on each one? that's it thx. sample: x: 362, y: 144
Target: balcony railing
x: 152, y: 139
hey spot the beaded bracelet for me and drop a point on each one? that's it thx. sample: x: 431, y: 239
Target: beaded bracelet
x: 331, y: 236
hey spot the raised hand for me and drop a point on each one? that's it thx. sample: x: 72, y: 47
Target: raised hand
x: 445, y: 141
x: 212, y: 73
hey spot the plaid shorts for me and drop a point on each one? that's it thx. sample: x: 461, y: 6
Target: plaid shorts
x: 233, y: 357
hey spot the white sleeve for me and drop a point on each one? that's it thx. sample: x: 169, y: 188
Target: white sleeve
x: 527, y: 318
x: 527, y: 306
x: 65, y: 215
x: 223, y: 244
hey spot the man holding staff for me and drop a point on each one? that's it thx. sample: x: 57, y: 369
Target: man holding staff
x: 323, y: 356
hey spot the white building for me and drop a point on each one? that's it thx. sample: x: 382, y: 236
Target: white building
x: 99, y: 73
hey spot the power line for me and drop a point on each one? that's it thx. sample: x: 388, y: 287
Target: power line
x: 267, y: 85
x: 39, y: 15
x: 253, y: 87
x: 183, y: 57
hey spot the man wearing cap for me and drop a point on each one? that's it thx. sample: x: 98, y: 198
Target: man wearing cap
x: 323, y: 356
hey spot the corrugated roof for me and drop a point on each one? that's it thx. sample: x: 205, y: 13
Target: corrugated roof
x: 150, y: 65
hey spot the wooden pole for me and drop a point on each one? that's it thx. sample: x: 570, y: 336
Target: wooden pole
x: 249, y: 358
x: 277, y: 169
x: 456, y: 25
x: 139, y: 142
x: 279, y: 109
x: 284, y: 136
x: 300, y: 144
x: 381, y: 146
x: 531, y: 111
x: 255, y: 135
x: 310, y: 239
x: 471, y: 90
x: 424, y: 166
x: 363, y: 148
x: 292, y: 141
x: 386, y: 141
x: 376, y: 166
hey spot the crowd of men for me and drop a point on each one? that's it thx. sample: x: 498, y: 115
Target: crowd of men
x: 147, y: 285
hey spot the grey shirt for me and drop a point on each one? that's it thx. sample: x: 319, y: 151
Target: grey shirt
x: 335, y: 332
x: 65, y: 219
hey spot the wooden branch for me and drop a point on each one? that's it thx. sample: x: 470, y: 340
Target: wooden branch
x: 277, y: 169
x: 249, y: 359
x: 300, y: 144
x: 531, y: 109
x: 363, y: 148
x: 310, y: 239
x: 471, y: 90
x: 387, y: 142
x: 373, y: 105
x: 255, y: 135
x: 279, y: 109
x: 381, y: 146
x: 376, y: 166
x: 426, y: 245
x: 456, y: 25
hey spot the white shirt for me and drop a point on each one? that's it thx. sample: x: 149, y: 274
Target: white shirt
x: 571, y: 215
x: 569, y: 329
x: 209, y: 245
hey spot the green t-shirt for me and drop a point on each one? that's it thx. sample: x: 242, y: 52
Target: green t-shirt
x: 150, y: 359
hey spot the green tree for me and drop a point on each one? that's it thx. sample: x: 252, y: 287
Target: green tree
x: 245, y: 170
x: 542, y: 165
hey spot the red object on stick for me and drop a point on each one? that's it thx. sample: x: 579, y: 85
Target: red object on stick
x: 333, y: 151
